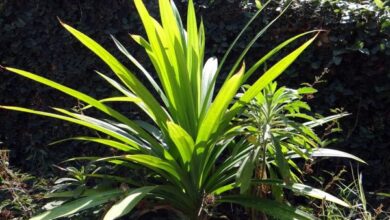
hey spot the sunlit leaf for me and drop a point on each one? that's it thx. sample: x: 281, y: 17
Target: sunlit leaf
x: 125, y: 205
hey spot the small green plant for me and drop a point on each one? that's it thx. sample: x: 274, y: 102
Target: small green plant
x: 190, y: 126
x: 278, y: 128
x: 353, y: 192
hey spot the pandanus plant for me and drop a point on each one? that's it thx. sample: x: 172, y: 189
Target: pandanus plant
x: 190, y: 125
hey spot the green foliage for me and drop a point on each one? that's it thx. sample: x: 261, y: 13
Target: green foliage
x: 353, y: 55
x: 356, y: 47
x: 278, y: 127
x: 194, y: 122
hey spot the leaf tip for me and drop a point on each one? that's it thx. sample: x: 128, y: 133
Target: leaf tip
x: 2, y: 68
x: 61, y: 22
x: 242, y: 69
x: 5, y: 68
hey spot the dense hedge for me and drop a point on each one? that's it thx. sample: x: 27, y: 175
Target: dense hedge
x: 354, y: 53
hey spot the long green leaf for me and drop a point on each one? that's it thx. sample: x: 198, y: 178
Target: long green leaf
x: 115, y: 99
x: 207, y: 86
x: 245, y: 173
x: 193, y: 54
x: 211, y: 122
x: 89, y: 100
x: 225, y: 56
x: 131, y: 95
x: 121, y: 129
x: 273, y: 72
x: 128, y: 78
x: 280, y: 160
x: 258, y: 35
x: 209, y: 92
x: 273, y: 52
x: 113, y: 133
x: 305, y: 190
x: 124, y: 206
x: 78, y: 205
x: 326, y: 152
x: 156, y: 52
x: 183, y: 142
x: 269, y: 207
x: 142, y: 69
x: 107, y: 142
x: 265, y: 79
x: 165, y: 168
x: 321, y: 121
